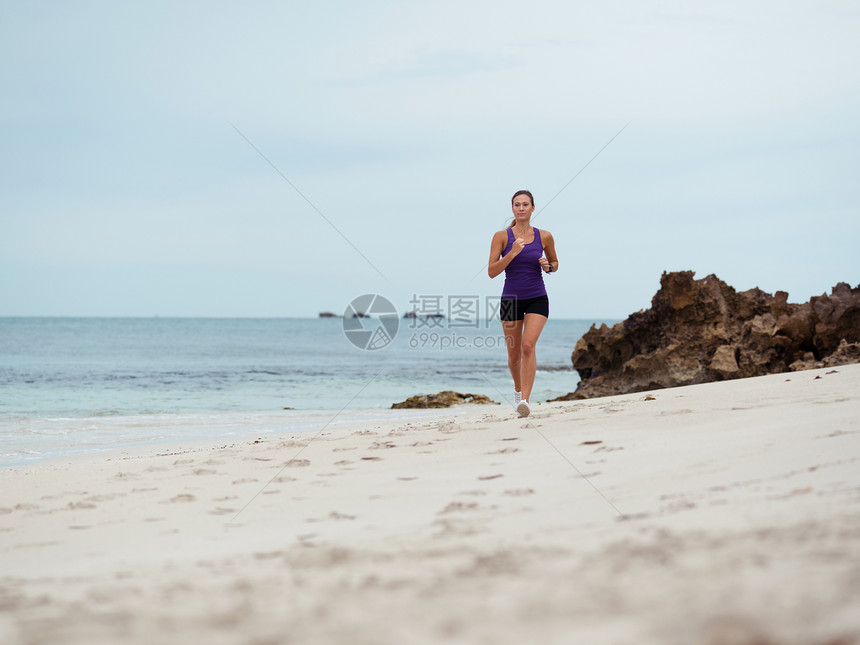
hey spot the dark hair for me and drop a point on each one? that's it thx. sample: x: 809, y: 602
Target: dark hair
x: 523, y: 192
x: 516, y: 194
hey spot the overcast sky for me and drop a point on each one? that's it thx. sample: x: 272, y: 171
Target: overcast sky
x: 281, y: 158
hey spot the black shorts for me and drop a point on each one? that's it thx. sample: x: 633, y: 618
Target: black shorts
x: 517, y: 308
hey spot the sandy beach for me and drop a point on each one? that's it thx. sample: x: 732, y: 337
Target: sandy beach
x: 723, y: 514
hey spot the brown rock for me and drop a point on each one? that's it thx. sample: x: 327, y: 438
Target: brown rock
x: 444, y: 399
x: 724, y: 362
x: 846, y: 354
x: 703, y: 330
x: 837, y: 317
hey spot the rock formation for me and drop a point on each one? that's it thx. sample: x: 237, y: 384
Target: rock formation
x: 698, y: 331
x: 444, y: 399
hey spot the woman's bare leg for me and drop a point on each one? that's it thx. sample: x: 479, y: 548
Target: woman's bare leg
x: 513, y: 341
x: 532, y: 326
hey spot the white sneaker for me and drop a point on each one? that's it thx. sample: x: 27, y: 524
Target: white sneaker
x: 523, y: 408
x: 518, y: 396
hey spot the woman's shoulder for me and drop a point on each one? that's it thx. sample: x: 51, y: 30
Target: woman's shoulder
x: 545, y: 234
x: 501, y: 234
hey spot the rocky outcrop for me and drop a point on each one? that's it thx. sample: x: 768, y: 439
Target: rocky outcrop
x: 698, y: 331
x: 845, y: 354
x: 444, y: 399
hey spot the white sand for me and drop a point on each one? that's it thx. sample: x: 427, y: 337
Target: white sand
x: 724, y: 514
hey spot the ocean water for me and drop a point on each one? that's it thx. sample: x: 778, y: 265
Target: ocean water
x: 78, y: 385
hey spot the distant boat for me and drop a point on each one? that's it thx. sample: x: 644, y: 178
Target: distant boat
x: 410, y: 314
x: 360, y: 314
x: 328, y: 314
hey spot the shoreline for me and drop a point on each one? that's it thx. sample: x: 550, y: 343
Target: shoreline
x: 232, y: 426
x: 717, y: 513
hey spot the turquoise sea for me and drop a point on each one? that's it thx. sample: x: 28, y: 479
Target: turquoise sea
x: 77, y: 385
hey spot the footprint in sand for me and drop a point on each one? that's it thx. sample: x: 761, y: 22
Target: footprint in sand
x: 271, y: 555
x: 679, y: 505
x: 492, y: 419
x: 380, y: 445
x: 456, y: 507
x: 334, y: 515
x: 79, y: 506
x: 284, y: 479
x: 457, y: 527
x: 179, y: 499
x: 62, y: 495
x: 293, y: 444
x: 503, y: 451
x: 103, y: 498
x: 37, y: 545
x: 500, y: 562
x: 837, y: 433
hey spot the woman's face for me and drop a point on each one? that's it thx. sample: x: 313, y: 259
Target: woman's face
x: 522, y: 208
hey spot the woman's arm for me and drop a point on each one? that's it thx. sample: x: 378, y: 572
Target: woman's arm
x: 497, y: 263
x: 550, y: 259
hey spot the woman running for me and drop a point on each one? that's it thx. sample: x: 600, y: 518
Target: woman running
x: 519, y: 252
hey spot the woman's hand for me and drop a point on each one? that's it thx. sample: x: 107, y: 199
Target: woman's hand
x: 518, y: 245
x: 544, y: 263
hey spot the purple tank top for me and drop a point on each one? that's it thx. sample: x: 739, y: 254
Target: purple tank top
x: 523, y: 276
